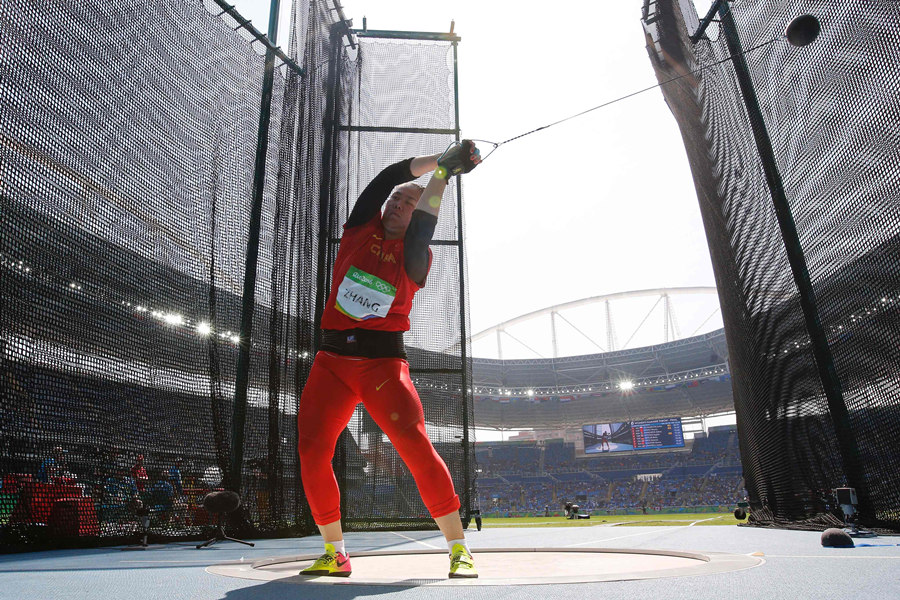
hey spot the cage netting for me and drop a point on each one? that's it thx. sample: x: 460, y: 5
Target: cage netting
x: 834, y: 122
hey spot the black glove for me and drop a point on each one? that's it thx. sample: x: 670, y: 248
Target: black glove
x: 459, y: 158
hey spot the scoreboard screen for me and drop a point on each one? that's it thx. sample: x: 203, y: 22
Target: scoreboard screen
x: 652, y: 434
x: 657, y: 433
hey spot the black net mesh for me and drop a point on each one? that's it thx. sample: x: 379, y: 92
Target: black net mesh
x: 387, y: 118
x: 128, y: 139
x: 126, y: 200
x: 832, y: 118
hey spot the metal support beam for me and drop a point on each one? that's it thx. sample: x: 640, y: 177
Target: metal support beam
x: 374, y: 129
x: 268, y: 42
x: 326, y: 250
x: 465, y: 395
x: 406, y: 35
x: 553, y: 334
x: 242, y: 376
x: 610, y: 331
x: 667, y: 314
x: 709, y: 18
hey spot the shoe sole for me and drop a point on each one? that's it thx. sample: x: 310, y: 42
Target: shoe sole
x: 458, y: 576
x: 325, y: 574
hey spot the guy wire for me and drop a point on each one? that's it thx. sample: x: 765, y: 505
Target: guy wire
x: 625, y: 97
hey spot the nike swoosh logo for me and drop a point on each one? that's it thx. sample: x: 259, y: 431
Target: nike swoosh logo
x: 378, y: 387
x: 340, y: 562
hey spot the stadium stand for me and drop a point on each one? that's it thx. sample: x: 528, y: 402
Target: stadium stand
x: 706, y: 478
x: 688, y: 378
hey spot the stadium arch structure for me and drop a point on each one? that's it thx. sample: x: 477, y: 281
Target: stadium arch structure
x: 688, y: 378
x: 661, y: 319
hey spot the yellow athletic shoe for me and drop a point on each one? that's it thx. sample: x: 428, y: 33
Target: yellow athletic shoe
x: 331, y: 564
x: 461, y: 563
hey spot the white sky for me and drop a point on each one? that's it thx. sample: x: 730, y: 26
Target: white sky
x: 600, y: 204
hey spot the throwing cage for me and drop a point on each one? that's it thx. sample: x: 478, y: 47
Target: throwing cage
x: 170, y: 192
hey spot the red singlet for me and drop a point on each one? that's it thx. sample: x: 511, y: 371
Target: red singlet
x: 365, y: 248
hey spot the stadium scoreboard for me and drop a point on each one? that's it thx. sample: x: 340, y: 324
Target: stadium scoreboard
x: 657, y: 434
x: 633, y: 436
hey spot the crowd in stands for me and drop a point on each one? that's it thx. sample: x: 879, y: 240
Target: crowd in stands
x: 120, y: 486
x: 522, y: 477
x: 514, y: 478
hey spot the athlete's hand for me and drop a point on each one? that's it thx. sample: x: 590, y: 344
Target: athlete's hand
x: 460, y: 158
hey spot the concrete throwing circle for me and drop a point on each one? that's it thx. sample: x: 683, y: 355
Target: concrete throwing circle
x: 497, y: 566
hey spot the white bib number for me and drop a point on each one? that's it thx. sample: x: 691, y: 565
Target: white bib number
x: 363, y: 296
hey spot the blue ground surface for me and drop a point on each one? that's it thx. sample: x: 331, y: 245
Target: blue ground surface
x: 797, y: 567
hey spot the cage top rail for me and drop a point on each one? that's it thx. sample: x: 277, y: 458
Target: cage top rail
x: 246, y: 24
x: 407, y: 35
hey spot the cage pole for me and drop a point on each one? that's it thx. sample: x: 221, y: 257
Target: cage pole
x: 821, y: 352
x: 242, y: 377
x: 331, y: 124
x: 463, y: 335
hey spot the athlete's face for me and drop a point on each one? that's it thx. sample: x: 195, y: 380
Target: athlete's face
x: 398, y: 210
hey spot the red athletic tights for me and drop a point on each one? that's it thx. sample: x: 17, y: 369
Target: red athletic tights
x: 335, y: 386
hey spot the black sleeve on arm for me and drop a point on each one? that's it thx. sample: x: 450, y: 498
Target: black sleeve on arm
x: 416, y: 256
x: 369, y: 202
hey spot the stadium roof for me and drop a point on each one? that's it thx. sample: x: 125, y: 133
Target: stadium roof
x: 685, y: 378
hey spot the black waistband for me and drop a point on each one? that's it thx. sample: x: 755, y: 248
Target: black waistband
x: 364, y: 342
